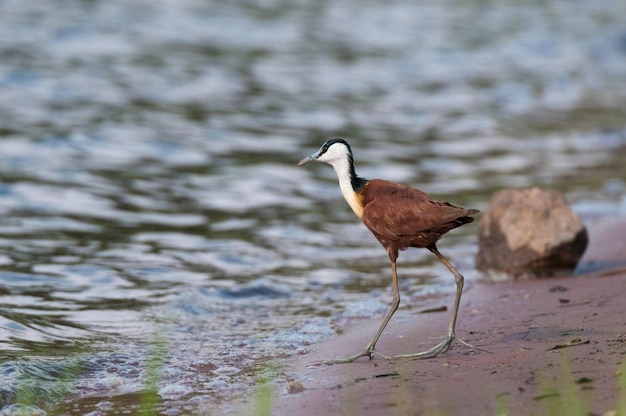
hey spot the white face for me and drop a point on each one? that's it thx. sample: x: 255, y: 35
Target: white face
x: 335, y: 153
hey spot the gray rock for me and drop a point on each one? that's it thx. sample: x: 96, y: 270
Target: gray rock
x: 529, y: 232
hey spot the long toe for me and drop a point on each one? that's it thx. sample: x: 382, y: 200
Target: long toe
x: 470, y: 346
x: 440, y: 348
x: 350, y: 358
x: 431, y: 353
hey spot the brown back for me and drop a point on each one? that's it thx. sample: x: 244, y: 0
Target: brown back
x: 402, y: 216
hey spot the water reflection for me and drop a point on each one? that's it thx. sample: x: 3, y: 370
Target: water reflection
x: 148, y: 187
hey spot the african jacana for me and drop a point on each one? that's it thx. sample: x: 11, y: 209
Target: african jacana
x: 399, y: 217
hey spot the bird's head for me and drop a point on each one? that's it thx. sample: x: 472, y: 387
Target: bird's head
x: 331, y: 152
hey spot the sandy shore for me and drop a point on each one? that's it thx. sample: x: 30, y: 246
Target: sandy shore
x: 553, y: 343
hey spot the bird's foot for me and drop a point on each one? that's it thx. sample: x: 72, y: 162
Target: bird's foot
x: 368, y: 352
x: 470, y: 346
x: 436, y: 350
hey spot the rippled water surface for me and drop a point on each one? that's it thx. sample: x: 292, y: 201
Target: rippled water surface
x: 151, y: 213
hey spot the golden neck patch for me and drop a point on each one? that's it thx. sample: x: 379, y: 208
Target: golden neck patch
x: 354, y: 199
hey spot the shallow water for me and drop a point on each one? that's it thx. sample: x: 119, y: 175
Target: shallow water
x: 151, y: 209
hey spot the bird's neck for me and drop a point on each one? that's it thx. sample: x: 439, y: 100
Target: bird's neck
x: 350, y: 184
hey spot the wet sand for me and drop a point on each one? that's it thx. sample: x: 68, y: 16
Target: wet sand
x: 552, y: 342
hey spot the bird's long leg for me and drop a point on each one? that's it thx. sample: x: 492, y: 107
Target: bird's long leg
x: 450, y: 336
x: 395, y: 302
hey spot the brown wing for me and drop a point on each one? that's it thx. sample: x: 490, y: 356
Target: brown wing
x: 393, y: 212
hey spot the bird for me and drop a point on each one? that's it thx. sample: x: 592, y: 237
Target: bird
x: 400, y: 217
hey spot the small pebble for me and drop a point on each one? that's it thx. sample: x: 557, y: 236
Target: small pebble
x: 295, y: 387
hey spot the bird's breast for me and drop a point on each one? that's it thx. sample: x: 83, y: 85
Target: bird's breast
x: 355, y: 200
